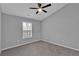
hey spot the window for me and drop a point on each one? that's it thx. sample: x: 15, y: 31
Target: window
x: 27, y: 30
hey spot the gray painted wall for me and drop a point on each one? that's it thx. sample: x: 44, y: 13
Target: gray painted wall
x: 0, y: 29
x: 63, y: 27
x: 12, y: 31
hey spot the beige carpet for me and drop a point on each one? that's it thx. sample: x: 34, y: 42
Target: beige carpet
x: 40, y: 49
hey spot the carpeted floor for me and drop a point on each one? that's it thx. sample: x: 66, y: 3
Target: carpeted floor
x: 40, y: 49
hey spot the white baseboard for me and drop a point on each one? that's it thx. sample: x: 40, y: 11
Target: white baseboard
x: 61, y: 45
x: 18, y: 45
x: 45, y: 41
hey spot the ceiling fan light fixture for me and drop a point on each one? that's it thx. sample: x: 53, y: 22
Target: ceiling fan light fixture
x: 39, y: 9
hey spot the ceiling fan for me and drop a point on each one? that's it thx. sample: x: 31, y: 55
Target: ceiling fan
x: 41, y: 8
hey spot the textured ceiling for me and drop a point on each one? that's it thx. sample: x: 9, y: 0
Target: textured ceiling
x: 22, y: 9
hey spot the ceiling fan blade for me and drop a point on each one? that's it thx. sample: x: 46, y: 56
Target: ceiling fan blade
x: 45, y: 11
x: 46, y: 6
x: 39, y: 5
x: 37, y: 12
x: 33, y: 8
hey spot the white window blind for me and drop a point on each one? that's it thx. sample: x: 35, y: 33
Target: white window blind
x: 27, y: 29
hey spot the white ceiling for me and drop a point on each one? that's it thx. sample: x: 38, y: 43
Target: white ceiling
x: 22, y: 9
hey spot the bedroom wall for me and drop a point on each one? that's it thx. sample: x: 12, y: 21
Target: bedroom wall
x: 63, y: 27
x: 0, y: 29
x: 12, y: 31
